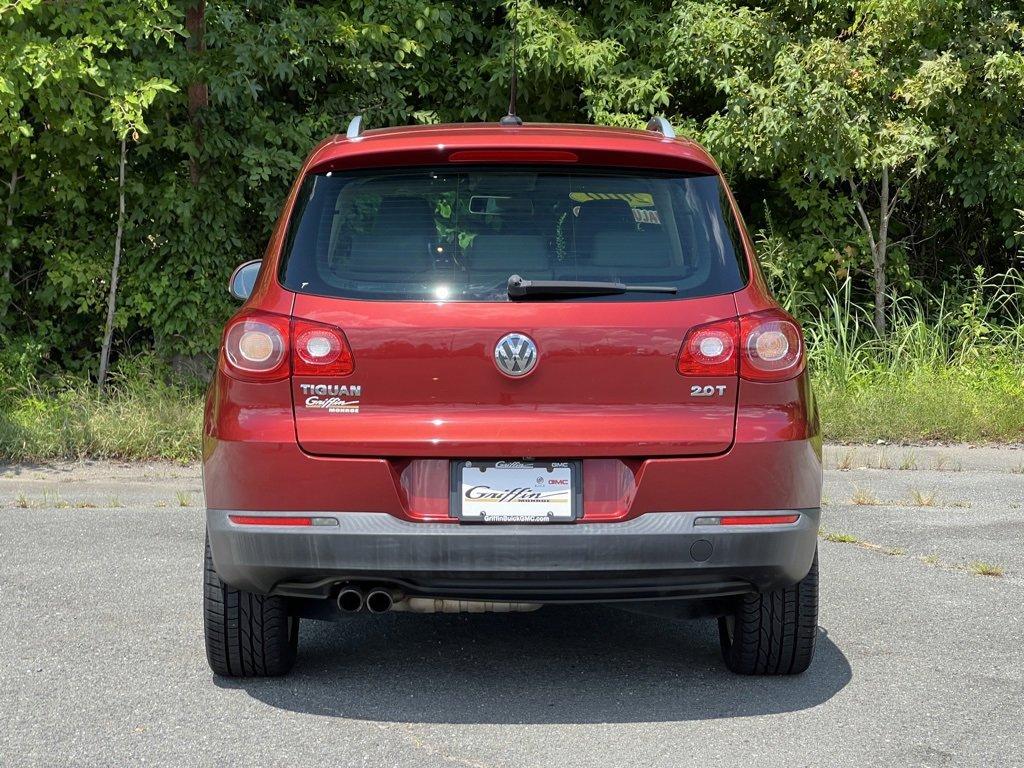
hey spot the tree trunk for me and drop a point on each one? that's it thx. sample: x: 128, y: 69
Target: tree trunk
x: 879, y: 245
x: 881, y: 295
x: 108, y: 331
x: 198, y: 94
x: 11, y: 187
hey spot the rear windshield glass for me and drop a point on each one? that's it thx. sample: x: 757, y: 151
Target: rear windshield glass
x: 459, y: 234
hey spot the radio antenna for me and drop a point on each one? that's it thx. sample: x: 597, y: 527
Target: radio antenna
x: 512, y: 118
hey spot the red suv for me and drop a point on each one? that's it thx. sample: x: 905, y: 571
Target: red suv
x: 500, y: 367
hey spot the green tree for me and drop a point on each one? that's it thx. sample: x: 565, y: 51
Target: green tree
x: 845, y: 111
x: 70, y: 73
x: 127, y: 103
x: 878, y: 138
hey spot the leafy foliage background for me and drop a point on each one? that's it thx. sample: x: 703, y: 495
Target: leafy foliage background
x: 803, y: 102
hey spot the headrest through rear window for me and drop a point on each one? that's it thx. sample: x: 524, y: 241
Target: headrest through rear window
x: 605, y: 216
x: 405, y: 216
x: 508, y: 252
x: 649, y: 248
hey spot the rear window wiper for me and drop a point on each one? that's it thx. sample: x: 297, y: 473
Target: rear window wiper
x: 519, y: 288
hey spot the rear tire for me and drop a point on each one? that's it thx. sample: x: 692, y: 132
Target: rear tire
x: 773, y: 633
x: 247, y: 635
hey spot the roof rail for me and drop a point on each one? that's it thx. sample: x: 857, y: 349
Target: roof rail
x: 662, y: 126
x: 355, y: 128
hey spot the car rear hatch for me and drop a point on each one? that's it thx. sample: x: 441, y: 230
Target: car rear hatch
x: 411, y: 267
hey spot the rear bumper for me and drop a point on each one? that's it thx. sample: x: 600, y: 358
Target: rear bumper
x: 654, y: 556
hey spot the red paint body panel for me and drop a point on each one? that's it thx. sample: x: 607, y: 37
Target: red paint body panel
x: 430, y: 386
x: 259, y: 477
x: 605, y: 390
x: 251, y: 460
x: 592, y: 146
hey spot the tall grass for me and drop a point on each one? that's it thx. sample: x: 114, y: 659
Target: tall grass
x: 984, y: 324
x: 950, y: 367
x: 146, y: 413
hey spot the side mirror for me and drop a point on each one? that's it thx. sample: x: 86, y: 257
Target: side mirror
x: 243, y: 279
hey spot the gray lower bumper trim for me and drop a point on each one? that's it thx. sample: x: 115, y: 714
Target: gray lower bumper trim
x: 643, y: 554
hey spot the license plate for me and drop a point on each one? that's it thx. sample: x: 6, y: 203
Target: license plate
x: 516, y: 491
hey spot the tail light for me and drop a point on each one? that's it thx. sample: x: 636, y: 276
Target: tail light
x: 256, y: 347
x: 320, y: 350
x: 773, y: 347
x: 710, y: 350
x: 262, y: 346
x: 765, y: 346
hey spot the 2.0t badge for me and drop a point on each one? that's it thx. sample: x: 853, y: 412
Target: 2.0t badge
x: 515, y: 354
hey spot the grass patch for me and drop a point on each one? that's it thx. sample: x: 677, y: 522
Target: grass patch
x: 840, y: 538
x: 980, y: 568
x: 950, y: 368
x: 48, y: 499
x: 908, y: 462
x: 989, y: 405
x: 845, y: 538
x: 920, y: 498
x: 882, y: 462
x: 146, y: 414
x: 845, y: 462
x: 862, y: 497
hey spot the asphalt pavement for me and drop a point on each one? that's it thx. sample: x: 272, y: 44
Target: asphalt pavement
x: 920, y: 658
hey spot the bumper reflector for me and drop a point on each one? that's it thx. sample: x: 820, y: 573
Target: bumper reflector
x: 747, y: 520
x: 280, y: 520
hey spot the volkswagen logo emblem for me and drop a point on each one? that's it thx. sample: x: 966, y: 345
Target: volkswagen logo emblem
x: 515, y: 354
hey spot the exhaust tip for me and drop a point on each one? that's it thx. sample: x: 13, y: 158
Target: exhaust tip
x: 379, y: 601
x: 350, y: 600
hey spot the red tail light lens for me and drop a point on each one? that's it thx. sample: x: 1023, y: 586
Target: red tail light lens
x: 710, y: 350
x: 773, y: 347
x: 320, y: 350
x: 764, y: 346
x: 512, y: 156
x: 256, y: 347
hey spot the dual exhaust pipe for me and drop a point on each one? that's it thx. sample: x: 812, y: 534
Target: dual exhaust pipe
x: 353, y: 600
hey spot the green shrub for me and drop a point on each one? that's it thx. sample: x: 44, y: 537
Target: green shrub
x: 802, y: 104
